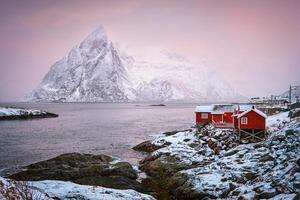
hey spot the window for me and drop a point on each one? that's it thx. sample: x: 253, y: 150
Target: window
x: 244, y: 120
x: 204, y: 115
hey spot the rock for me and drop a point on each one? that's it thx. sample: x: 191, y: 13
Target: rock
x: 295, y: 113
x: 289, y: 132
x: 250, y: 175
x: 29, y: 116
x: 278, y: 138
x: 266, y: 195
x: 217, y: 150
x: 83, y: 169
x: 146, y: 146
x: 153, y: 167
x: 259, y: 145
x: 212, y: 144
x: 266, y: 158
x: 169, y: 133
x: 231, y: 152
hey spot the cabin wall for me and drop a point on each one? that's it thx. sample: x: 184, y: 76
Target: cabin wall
x: 217, y: 118
x: 255, y: 121
x: 200, y: 120
x: 236, y: 122
x: 227, y: 117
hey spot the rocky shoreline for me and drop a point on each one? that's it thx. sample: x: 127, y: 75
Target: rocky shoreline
x: 197, y: 163
x: 210, y: 163
x: 13, y: 113
x: 84, y: 169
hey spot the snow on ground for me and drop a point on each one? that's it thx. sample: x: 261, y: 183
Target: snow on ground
x: 276, y: 122
x: 185, y: 137
x: 262, y: 170
x: 68, y: 190
x: 5, y: 111
x: 268, y: 169
x: 194, y: 146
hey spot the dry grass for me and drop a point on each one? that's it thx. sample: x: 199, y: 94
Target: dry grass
x: 20, y: 190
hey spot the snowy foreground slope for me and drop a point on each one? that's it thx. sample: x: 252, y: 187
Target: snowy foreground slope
x: 210, y: 163
x: 99, y: 70
x: 66, y: 190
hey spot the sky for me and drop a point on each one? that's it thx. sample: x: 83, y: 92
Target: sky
x: 254, y: 45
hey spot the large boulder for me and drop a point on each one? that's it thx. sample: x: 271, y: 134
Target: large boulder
x: 146, y: 146
x: 83, y: 169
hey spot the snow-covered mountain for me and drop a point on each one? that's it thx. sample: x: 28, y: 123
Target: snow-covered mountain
x: 99, y: 70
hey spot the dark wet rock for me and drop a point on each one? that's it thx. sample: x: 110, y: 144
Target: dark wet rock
x: 146, y: 146
x: 84, y: 169
x: 289, y: 132
x: 168, y: 163
x: 266, y: 195
x: 280, y: 138
x: 250, y: 175
x: 295, y: 113
x: 259, y: 145
x: 168, y: 133
x: 266, y: 158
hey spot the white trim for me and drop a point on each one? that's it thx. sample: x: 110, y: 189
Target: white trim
x: 204, y: 115
x: 244, y: 120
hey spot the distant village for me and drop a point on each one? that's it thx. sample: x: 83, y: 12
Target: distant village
x: 248, y: 120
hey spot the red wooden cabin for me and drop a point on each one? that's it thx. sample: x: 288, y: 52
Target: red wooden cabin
x: 250, y: 123
x: 203, y: 114
x: 220, y: 115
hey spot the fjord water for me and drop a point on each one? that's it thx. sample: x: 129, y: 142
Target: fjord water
x: 108, y: 128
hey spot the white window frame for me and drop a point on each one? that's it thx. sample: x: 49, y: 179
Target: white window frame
x: 204, y: 115
x: 244, y: 120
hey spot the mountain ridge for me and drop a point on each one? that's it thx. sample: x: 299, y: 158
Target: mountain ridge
x: 97, y: 70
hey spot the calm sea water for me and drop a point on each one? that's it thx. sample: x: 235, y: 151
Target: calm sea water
x: 108, y: 128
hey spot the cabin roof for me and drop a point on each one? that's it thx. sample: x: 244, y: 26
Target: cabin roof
x: 222, y: 108
x: 204, y: 108
x: 215, y: 108
x: 253, y: 109
x: 243, y: 107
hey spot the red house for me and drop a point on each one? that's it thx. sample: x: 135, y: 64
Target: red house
x: 220, y: 115
x: 203, y: 114
x: 243, y: 117
x: 250, y: 123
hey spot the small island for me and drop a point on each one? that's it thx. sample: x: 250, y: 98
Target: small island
x: 158, y: 104
x: 13, y: 113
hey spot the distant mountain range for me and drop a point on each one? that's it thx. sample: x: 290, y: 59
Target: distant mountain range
x: 98, y: 70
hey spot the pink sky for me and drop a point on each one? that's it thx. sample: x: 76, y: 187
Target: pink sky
x: 254, y: 45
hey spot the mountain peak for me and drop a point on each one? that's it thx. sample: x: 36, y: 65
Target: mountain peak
x: 98, y: 34
x: 97, y: 39
x: 99, y: 30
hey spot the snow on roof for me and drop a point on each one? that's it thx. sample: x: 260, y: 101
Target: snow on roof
x: 252, y: 109
x: 243, y: 107
x: 222, y: 108
x: 204, y: 108
x: 215, y: 108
